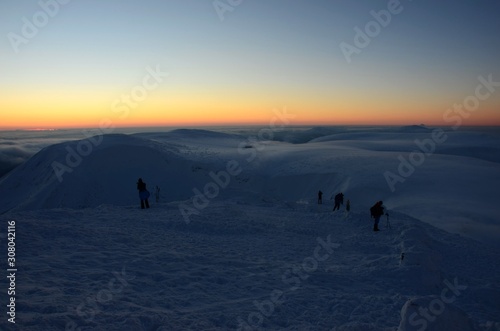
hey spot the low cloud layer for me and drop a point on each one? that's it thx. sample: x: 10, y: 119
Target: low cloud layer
x: 18, y: 146
x: 13, y: 154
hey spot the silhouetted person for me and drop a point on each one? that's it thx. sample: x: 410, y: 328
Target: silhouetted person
x: 339, y: 199
x: 320, y: 197
x: 143, y: 193
x: 376, y: 211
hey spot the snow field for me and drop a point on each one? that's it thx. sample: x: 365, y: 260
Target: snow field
x: 223, y: 270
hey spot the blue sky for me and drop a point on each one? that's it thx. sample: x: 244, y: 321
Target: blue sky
x: 275, y: 49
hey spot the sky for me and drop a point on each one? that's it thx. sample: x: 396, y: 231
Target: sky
x: 76, y: 63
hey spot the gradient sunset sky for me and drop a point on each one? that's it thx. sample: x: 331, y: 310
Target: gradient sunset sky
x: 236, y: 66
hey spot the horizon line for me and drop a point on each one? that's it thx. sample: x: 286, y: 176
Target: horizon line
x: 5, y: 129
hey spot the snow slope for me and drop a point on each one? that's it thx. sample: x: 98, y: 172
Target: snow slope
x: 217, y: 271
x: 254, y: 255
x: 107, y: 175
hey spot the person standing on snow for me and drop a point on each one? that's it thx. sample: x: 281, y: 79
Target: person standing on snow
x: 143, y: 193
x: 339, y: 199
x: 376, y: 211
x: 320, y: 197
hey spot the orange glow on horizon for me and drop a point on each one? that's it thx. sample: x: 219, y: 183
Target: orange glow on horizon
x: 301, y: 119
x: 58, y: 109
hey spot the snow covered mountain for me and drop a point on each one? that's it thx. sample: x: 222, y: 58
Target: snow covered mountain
x: 237, y: 240
x: 88, y: 173
x: 455, y: 187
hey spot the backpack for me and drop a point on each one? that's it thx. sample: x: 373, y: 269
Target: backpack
x: 338, y: 197
x: 376, y: 210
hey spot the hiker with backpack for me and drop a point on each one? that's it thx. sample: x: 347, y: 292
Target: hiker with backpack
x: 339, y: 199
x: 376, y: 211
x: 143, y: 193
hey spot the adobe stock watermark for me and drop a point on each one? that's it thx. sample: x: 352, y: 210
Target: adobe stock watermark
x: 425, y: 315
x: 121, y: 106
x: 92, y: 305
x: 30, y: 28
x: 220, y: 180
x: 139, y: 93
x: 292, y: 277
x: 426, y: 147
x: 483, y: 91
x: 372, y: 29
x: 223, y: 6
